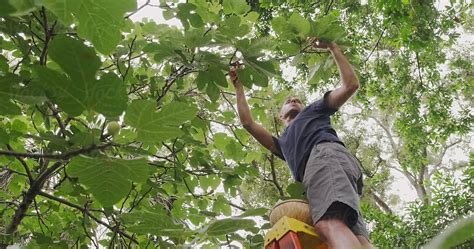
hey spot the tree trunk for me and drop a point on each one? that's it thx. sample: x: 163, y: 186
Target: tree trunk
x: 381, y: 203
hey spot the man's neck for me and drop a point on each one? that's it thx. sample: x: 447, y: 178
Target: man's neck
x: 289, y: 120
x: 289, y: 117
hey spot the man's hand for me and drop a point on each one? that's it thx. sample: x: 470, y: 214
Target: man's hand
x: 349, y: 79
x: 233, y: 76
x: 318, y: 44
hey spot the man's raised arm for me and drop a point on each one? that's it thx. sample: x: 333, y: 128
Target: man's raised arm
x: 256, y: 130
x: 350, y: 82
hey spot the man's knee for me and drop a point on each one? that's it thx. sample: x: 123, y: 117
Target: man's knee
x: 325, y: 226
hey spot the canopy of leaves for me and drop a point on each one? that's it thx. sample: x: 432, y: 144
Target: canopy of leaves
x: 181, y: 171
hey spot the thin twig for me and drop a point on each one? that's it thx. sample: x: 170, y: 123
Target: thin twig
x: 271, y: 159
x: 130, y: 47
x: 13, y: 171
x: 329, y: 7
x: 22, y: 59
x: 87, y: 233
x: 207, y: 31
x: 180, y: 72
x: 376, y: 46
x: 55, y: 111
x: 228, y: 102
x: 25, y: 166
x: 231, y: 128
x: 237, y: 206
x: 228, y: 241
x: 40, y: 219
x: 114, y: 64
x: 232, y: 57
x: 138, y: 9
x: 140, y: 200
x: 126, y: 198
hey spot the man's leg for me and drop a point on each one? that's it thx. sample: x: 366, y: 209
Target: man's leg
x: 364, y: 242
x: 332, y: 189
x: 337, y: 234
x: 360, y: 230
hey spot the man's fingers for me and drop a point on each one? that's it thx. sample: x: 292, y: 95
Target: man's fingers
x: 233, y: 75
x: 233, y: 70
x: 236, y: 65
x: 315, y: 41
x: 318, y: 43
x: 312, y: 39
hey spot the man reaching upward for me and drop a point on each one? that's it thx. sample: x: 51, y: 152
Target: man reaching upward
x: 315, y: 155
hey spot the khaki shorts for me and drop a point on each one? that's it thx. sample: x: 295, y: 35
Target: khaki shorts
x: 333, y: 184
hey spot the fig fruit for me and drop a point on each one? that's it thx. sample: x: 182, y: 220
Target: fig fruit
x: 113, y: 128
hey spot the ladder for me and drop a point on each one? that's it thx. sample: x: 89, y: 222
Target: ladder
x: 289, y: 233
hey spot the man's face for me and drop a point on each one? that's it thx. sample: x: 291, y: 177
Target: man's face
x: 291, y: 108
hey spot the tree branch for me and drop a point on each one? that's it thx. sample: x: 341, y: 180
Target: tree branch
x: 380, y: 202
x: 48, y: 33
x: 88, y: 213
x: 441, y: 156
x: 28, y: 198
x: 37, y: 184
x: 407, y: 174
x: 63, y: 156
x: 389, y: 135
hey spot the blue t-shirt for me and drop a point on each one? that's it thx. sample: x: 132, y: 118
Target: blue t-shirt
x: 309, y: 128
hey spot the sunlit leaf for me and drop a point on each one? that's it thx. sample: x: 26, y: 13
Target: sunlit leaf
x: 235, y: 6
x: 63, y: 9
x: 155, y: 127
x: 101, y: 21
x: 17, y: 7
x: 109, y: 180
x: 230, y: 225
